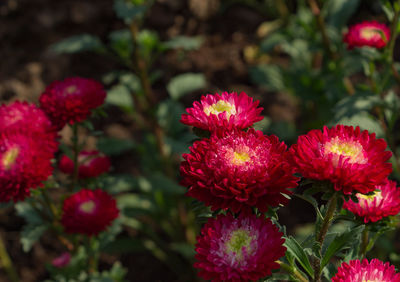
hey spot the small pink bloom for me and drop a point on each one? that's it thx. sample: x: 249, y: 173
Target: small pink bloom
x: 385, y: 201
x: 238, y: 249
x: 373, y: 271
x: 371, y: 34
x: 228, y: 111
x: 61, y: 261
x: 91, y: 164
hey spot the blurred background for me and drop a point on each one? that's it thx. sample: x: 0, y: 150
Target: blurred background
x: 271, y: 50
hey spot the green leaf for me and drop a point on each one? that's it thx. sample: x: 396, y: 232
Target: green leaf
x: 119, y: 95
x: 355, y: 104
x: 132, y: 201
x: 128, y: 10
x: 124, y: 245
x: 365, y: 121
x: 184, y: 42
x: 268, y: 76
x: 185, y: 249
x: 341, y: 242
x: 169, y: 114
x: 165, y: 184
x: 313, y: 202
x: 118, y: 183
x: 114, y: 146
x: 121, y: 43
x: 78, y: 43
x: 31, y: 234
x: 186, y: 83
x: 273, y: 40
x: 338, y: 12
x: 298, y: 252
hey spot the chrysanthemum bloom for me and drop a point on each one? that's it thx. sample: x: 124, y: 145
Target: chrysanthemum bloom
x: 24, y: 164
x: 238, y: 170
x: 91, y: 164
x: 371, y: 34
x: 61, y: 261
x: 383, y: 202
x: 88, y: 212
x: 373, y: 271
x: 350, y: 159
x: 241, y: 249
x: 71, y: 100
x: 228, y: 110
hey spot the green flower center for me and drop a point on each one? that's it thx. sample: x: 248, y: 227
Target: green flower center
x: 220, y: 107
x: 70, y: 89
x: 239, y: 238
x: 368, y: 32
x: 10, y: 157
x: 87, y: 206
x: 352, y: 150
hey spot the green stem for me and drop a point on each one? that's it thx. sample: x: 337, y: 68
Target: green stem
x: 75, y: 152
x: 364, y: 242
x: 292, y: 271
x: 320, y: 236
x: 6, y: 262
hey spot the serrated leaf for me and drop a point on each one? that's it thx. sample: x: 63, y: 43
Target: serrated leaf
x: 78, y: 43
x: 297, y: 251
x: 341, y: 242
x: 186, y: 83
x: 269, y: 76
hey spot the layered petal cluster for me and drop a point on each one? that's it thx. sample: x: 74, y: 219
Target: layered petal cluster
x: 350, y: 159
x: 61, y: 261
x: 88, y: 212
x: 238, y: 249
x: 371, y: 34
x: 238, y: 170
x: 71, y: 100
x: 228, y: 110
x: 385, y: 201
x: 24, y: 164
x: 91, y: 164
x: 373, y: 271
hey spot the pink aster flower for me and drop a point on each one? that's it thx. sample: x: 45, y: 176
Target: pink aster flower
x: 71, y: 100
x: 238, y: 249
x: 350, y: 159
x: 371, y: 34
x: 61, y: 261
x: 228, y: 110
x: 238, y: 170
x: 24, y: 164
x: 91, y: 164
x: 383, y: 202
x: 88, y: 212
x: 373, y: 271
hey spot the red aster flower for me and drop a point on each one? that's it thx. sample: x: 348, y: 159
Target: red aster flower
x: 61, y: 261
x: 24, y: 164
x: 371, y: 34
x: 241, y: 249
x: 383, y: 202
x: 228, y: 110
x: 91, y: 164
x: 238, y: 170
x: 71, y: 100
x: 88, y: 212
x: 350, y: 159
x: 373, y: 271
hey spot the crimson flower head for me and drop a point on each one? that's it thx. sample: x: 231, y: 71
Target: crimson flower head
x: 374, y: 271
x: 238, y: 249
x: 91, y: 164
x: 371, y: 34
x: 24, y: 164
x: 238, y: 170
x: 228, y: 110
x: 71, y: 100
x: 350, y: 159
x: 88, y: 212
x: 384, y: 201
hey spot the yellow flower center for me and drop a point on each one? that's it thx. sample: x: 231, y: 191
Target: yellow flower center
x: 10, y: 157
x: 220, y: 107
x: 239, y: 238
x: 240, y: 158
x: 363, y: 199
x: 70, y: 89
x: 87, y: 206
x: 368, y: 32
x: 353, y: 150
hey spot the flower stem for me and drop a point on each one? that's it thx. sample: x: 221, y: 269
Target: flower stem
x: 292, y: 271
x: 6, y: 262
x: 320, y: 236
x: 364, y: 243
